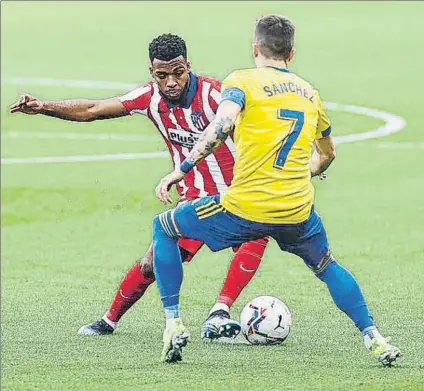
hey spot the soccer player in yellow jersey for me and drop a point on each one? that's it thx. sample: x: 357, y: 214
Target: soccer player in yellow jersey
x: 282, y: 138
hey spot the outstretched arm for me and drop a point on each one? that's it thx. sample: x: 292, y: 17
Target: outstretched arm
x: 79, y: 110
x: 213, y: 137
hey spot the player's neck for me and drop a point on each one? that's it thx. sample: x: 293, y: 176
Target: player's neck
x: 267, y: 62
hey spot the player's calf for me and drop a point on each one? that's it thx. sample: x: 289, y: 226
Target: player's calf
x: 132, y: 288
x: 169, y: 275
x: 243, y: 267
x: 348, y: 297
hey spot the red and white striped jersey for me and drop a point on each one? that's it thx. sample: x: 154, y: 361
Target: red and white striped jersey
x: 181, y: 125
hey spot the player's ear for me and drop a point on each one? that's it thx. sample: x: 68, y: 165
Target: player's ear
x: 151, y: 70
x: 255, y: 50
x: 291, y: 55
x: 188, y: 66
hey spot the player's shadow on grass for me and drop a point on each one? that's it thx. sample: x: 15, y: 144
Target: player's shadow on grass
x: 397, y: 366
x: 240, y: 340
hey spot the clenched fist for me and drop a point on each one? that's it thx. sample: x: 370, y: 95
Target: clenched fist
x: 27, y: 104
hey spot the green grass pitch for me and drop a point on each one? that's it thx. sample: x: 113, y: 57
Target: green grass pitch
x: 71, y: 230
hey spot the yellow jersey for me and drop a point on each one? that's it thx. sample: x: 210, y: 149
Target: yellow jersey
x: 274, y: 136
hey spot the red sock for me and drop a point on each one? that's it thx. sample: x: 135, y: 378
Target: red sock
x: 243, y: 267
x: 135, y: 283
x: 131, y: 289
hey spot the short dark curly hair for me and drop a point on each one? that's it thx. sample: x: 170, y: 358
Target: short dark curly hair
x: 275, y: 36
x: 165, y: 47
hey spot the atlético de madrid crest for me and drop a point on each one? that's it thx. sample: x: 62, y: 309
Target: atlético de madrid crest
x: 197, y: 119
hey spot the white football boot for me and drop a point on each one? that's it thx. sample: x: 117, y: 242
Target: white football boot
x: 175, y: 337
x: 379, y: 348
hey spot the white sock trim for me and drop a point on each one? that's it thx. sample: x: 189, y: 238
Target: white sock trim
x: 220, y: 306
x: 170, y: 322
x: 371, y: 332
x: 114, y: 325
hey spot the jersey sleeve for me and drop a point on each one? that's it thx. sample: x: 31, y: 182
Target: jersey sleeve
x: 137, y: 101
x: 324, y: 124
x: 233, y: 89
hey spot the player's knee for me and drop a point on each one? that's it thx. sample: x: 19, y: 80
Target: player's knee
x: 157, y: 226
x: 186, y: 256
x: 320, y: 268
x: 146, y: 268
x: 255, y: 248
x: 146, y: 264
x: 261, y: 244
x: 163, y: 226
x: 158, y: 229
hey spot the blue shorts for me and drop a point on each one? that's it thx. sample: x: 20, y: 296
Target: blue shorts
x: 206, y: 220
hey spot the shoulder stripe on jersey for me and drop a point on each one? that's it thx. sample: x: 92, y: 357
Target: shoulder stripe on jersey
x: 137, y: 101
x: 134, y: 94
x: 138, y: 111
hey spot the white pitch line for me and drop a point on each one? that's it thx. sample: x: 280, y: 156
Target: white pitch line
x: 48, y: 82
x: 84, y: 158
x: 393, y: 122
x: 12, y: 134
x: 401, y: 145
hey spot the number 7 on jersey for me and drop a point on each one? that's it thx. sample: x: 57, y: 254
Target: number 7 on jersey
x: 297, y: 118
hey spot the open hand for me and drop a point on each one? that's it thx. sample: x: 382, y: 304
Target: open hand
x: 27, y: 104
x: 165, y: 185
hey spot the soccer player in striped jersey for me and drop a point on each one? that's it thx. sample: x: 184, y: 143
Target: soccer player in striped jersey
x: 181, y: 105
x: 278, y: 120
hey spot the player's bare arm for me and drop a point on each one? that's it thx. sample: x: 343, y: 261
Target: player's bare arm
x: 323, y: 156
x: 213, y: 137
x: 217, y: 132
x: 79, y: 110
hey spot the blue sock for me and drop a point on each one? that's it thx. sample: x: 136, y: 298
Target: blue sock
x: 347, y: 295
x: 172, y: 311
x: 168, y: 268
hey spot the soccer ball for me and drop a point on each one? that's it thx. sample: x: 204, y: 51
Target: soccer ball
x: 266, y: 320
